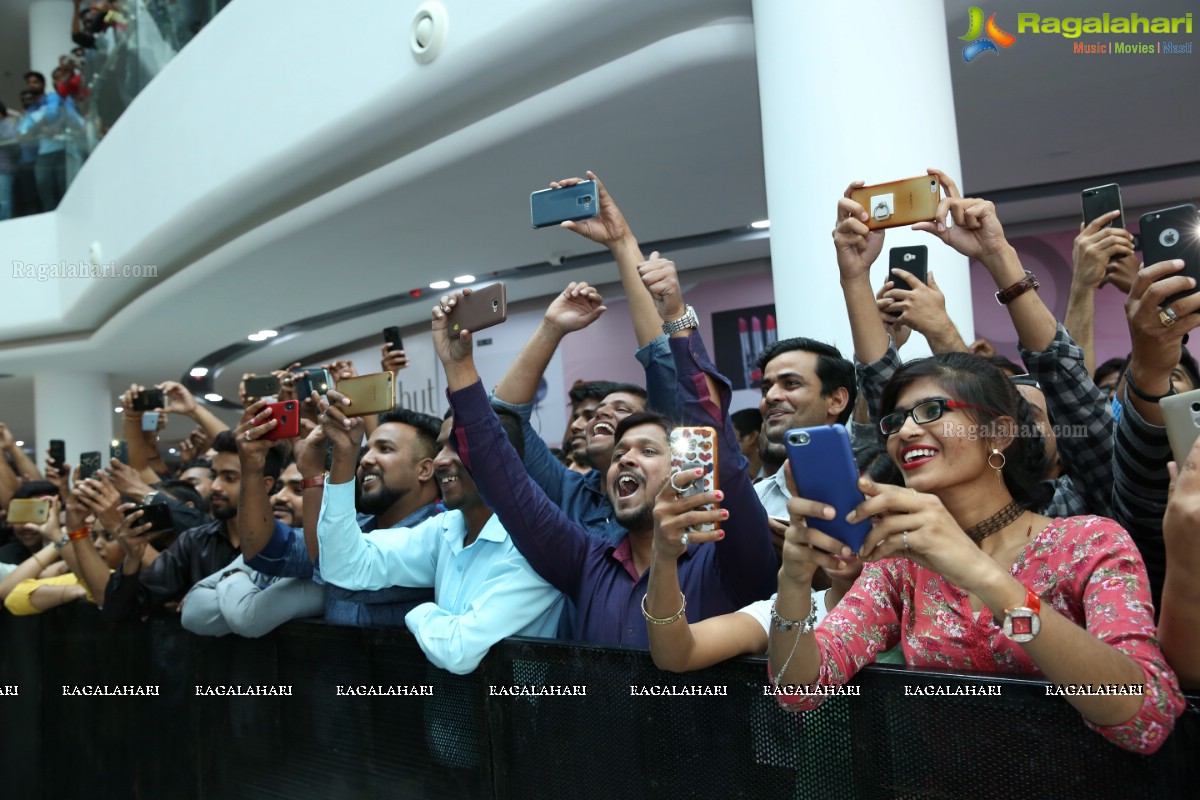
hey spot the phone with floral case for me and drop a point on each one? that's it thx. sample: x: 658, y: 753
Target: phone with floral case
x: 696, y: 448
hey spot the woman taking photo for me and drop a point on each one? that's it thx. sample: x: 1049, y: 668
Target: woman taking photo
x: 959, y: 572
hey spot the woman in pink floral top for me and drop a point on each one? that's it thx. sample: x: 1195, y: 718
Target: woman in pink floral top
x: 956, y: 552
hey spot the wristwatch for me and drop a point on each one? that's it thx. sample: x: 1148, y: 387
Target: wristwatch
x: 63, y: 542
x: 1019, y: 288
x: 688, y: 320
x: 1022, y: 623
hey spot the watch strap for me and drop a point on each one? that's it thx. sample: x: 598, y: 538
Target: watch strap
x: 688, y: 320
x: 1006, y: 296
x: 314, y: 482
x: 1149, y: 398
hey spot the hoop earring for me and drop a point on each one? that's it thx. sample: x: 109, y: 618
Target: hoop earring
x: 996, y: 452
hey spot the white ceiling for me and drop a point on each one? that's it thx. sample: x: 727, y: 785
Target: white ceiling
x: 682, y: 154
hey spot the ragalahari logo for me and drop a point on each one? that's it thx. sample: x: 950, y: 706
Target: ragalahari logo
x: 996, y: 37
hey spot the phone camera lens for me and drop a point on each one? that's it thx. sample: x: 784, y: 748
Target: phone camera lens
x: 799, y: 438
x: 495, y: 305
x: 1196, y: 408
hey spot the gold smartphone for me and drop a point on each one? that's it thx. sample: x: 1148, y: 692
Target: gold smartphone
x: 890, y: 205
x: 30, y: 511
x: 369, y: 394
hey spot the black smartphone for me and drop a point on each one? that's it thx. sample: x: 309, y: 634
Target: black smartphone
x: 89, y: 464
x: 158, y: 515
x: 1173, y: 233
x: 149, y: 400
x: 58, y: 451
x: 913, y: 259
x: 1099, y: 200
x: 260, y: 386
x: 555, y: 206
x: 391, y: 335
x: 119, y: 449
x: 317, y: 378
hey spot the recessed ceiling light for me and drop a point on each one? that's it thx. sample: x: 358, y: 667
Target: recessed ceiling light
x: 213, y: 397
x: 172, y: 450
x: 118, y: 409
x: 762, y: 223
x: 20, y: 444
x: 465, y: 279
x: 257, y: 337
x: 268, y: 334
x: 198, y: 372
x: 440, y: 285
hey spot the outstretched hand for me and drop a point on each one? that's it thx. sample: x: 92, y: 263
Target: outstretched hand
x: 975, y: 231
x: 857, y: 245
x: 675, y: 513
x: 608, y: 227
x: 576, y: 307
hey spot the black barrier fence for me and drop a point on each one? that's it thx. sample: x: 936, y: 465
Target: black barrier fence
x: 519, y: 726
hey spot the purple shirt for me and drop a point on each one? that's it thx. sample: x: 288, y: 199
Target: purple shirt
x: 599, y: 576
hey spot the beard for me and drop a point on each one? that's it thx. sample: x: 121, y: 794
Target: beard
x: 378, y: 501
x: 224, y: 512
x: 637, y: 519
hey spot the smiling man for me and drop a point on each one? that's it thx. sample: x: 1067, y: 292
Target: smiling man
x: 805, y: 383
x: 393, y: 486
x: 607, y: 580
x: 484, y: 589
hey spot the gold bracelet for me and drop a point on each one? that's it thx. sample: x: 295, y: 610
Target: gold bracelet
x: 668, y: 620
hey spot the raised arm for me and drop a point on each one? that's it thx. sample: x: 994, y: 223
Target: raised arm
x: 553, y: 545
x: 180, y: 401
x: 1095, y: 248
x: 857, y: 248
x: 23, y: 464
x: 923, y: 309
x: 256, y: 522
x: 1179, y: 618
x: 680, y: 645
x: 143, y: 452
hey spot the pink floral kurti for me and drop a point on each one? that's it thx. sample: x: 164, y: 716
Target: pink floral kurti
x: 1087, y: 568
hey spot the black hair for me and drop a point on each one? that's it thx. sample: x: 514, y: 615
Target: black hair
x: 1113, y: 365
x: 971, y: 379
x: 35, y: 74
x: 1005, y: 365
x: 197, y: 463
x: 591, y: 390
x: 427, y: 427
x: 747, y: 421
x: 643, y: 418
x: 3, y: 111
x: 628, y: 388
x: 834, y: 371
x: 874, y: 462
x: 183, y: 492
x: 224, y: 442
x: 510, y: 423
x: 34, y: 489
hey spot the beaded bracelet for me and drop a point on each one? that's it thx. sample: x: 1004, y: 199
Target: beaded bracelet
x: 802, y: 627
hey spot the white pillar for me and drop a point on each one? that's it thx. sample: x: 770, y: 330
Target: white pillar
x: 76, y: 407
x: 49, y: 37
x: 850, y: 91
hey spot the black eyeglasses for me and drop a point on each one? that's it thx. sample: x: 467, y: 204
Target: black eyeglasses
x: 922, y: 413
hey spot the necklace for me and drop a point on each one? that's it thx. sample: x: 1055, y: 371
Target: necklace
x: 995, y: 522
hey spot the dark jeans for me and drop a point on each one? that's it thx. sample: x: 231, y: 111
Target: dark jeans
x: 25, y: 194
x: 51, y: 178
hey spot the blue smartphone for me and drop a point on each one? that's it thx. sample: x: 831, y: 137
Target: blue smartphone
x: 554, y: 206
x: 150, y: 421
x: 824, y: 470
x: 119, y: 449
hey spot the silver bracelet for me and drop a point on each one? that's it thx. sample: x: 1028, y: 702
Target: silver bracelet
x: 784, y: 625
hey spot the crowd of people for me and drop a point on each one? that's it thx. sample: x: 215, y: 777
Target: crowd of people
x: 1023, y: 522
x: 44, y: 143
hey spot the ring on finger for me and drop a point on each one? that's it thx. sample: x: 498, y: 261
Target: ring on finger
x: 678, y: 489
x: 904, y: 538
x: 246, y: 436
x: 1167, y: 316
x: 683, y: 539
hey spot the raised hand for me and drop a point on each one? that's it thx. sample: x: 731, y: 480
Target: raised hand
x: 857, y: 245
x: 975, y: 231
x: 1096, y: 247
x: 609, y: 226
x: 179, y: 399
x: 662, y: 282
x: 576, y: 307
x: 674, y: 513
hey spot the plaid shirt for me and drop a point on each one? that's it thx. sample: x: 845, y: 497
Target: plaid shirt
x: 1139, y: 499
x: 1072, y: 400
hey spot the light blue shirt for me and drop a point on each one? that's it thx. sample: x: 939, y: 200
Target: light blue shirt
x: 481, y: 594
